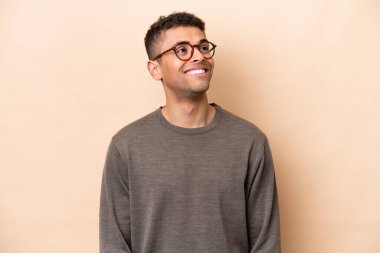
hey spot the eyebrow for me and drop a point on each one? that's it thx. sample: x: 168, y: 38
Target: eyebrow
x: 203, y: 40
x: 188, y: 42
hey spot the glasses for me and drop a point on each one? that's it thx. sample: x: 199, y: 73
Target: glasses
x: 184, y: 50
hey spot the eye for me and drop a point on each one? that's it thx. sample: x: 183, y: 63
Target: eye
x: 181, y: 50
x: 204, y: 47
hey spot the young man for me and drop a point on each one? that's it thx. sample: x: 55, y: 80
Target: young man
x: 189, y: 177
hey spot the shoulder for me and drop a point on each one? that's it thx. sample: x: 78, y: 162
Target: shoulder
x: 142, y: 126
x: 234, y: 124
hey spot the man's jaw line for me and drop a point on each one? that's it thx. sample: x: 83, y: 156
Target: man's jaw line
x: 180, y: 96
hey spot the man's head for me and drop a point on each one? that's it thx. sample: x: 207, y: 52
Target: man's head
x: 180, y: 55
x: 154, y: 36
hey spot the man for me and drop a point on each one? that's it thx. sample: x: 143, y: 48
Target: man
x: 190, y: 176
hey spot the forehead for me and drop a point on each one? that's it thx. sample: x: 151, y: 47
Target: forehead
x: 183, y: 33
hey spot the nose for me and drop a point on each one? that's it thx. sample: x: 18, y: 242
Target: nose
x: 197, y: 55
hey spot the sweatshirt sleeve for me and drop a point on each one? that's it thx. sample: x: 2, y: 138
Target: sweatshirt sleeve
x: 114, y: 217
x: 262, y: 202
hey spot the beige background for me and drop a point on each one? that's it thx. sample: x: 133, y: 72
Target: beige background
x: 307, y: 73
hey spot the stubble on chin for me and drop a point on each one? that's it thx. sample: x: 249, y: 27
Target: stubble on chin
x: 188, y: 92
x: 197, y: 89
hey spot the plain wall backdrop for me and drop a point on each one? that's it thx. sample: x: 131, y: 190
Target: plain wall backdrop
x: 73, y: 72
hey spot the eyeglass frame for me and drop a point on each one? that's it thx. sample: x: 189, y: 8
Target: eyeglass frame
x: 192, y: 49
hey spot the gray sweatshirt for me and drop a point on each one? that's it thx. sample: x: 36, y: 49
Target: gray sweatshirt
x: 169, y: 189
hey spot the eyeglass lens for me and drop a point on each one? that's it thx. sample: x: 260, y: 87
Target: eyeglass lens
x: 185, y: 51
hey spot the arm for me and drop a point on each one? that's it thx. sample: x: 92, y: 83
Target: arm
x: 114, y: 219
x: 262, y: 204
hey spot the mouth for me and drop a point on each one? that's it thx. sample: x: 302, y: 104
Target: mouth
x: 196, y: 72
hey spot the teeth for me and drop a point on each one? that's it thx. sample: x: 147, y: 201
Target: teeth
x: 196, y: 71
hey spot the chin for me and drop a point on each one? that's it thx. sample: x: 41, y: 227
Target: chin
x: 201, y: 88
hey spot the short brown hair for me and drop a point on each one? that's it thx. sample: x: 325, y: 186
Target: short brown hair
x: 163, y: 23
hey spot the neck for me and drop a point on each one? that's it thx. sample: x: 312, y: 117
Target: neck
x: 189, y: 114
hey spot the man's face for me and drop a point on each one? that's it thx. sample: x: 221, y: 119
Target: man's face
x: 184, y: 78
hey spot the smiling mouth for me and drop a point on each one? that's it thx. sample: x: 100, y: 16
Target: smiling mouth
x: 195, y: 72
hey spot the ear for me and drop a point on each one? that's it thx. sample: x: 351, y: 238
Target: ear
x: 154, y: 70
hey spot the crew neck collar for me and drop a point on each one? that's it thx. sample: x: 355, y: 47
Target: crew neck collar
x: 184, y: 130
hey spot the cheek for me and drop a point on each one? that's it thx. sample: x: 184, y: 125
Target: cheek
x: 211, y: 61
x: 179, y: 66
x: 173, y: 67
